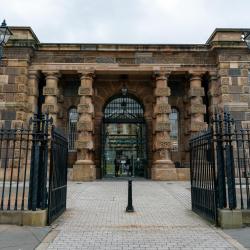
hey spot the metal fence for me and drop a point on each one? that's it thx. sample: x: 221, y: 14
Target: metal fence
x: 24, y: 152
x: 15, y: 145
x: 220, y: 169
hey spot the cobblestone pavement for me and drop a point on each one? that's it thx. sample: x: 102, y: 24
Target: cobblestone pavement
x: 96, y: 219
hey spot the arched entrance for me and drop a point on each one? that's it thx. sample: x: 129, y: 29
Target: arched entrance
x: 124, y: 137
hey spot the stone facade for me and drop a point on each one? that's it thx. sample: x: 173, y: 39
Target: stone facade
x: 194, y: 79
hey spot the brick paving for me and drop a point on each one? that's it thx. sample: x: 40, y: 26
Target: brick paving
x: 96, y: 218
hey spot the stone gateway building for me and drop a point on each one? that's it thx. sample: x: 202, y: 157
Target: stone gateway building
x: 135, y: 104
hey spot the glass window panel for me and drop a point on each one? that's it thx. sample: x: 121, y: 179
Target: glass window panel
x: 174, y: 128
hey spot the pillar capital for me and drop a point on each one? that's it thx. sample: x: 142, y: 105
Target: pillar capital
x: 196, y: 75
x: 87, y: 73
x: 33, y: 74
x: 52, y: 74
x: 161, y: 75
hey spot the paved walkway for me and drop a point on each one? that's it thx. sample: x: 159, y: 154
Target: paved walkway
x: 21, y: 238
x: 96, y: 219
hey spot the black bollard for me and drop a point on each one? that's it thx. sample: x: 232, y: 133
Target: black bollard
x: 130, y: 208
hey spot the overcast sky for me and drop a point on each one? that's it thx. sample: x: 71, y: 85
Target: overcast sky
x: 126, y: 21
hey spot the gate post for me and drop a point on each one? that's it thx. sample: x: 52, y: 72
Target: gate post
x: 43, y: 162
x: 221, y: 185
x: 230, y: 162
x: 34, y: 167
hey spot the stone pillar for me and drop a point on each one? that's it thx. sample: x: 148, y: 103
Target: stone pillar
x: 50, y: 91
x: 33, y: 78
x: 163, y: 168
x: 214, y: 95
x: 197, y: 108
x: 84, y: 168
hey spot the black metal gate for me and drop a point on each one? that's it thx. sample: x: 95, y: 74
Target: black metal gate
x: 57, y: 175
x: 24, y: 158
x: 202, y: 171
x: 220, y: 167
x: 124, y: 135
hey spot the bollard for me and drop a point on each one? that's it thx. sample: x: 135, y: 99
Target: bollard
x: 130, y: 208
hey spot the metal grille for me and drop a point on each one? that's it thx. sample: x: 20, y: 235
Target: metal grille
x: 72, y: 129
x: 123, y: 109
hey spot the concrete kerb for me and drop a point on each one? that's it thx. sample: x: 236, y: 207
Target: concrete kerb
x: 246, y: 216
x: 236, y: 218
x: 229, y: 239
x: 24, y: 218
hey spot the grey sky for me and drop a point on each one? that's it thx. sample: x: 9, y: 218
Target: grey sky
x: 126, y: 21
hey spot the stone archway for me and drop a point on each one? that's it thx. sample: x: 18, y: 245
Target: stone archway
x: 104, y: 90
x: 124, y: 137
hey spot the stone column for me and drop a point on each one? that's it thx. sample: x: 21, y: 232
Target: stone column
x: 33, y: 78
x: 197, y: 108
x: 50, y: 91
x: 163, y: 168
x: 214, y: 95
x: 84, y: 168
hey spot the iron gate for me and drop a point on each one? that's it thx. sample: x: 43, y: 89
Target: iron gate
x: 57, y: 175
x: 220, y: 167
x: 24, y: 152
x: 202, y: 171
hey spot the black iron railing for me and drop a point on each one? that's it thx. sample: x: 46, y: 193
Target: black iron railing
x: 220, y: 168
x: 15, y: 147
x: 24, y: 183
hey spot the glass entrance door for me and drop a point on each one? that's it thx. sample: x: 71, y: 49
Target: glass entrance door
x: 124, y: 149
x: 124, y: 144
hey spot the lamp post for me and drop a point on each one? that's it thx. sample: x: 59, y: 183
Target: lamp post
x: 5, y: 34
x: 246, y: 38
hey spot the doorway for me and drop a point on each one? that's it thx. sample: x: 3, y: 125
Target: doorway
x: 124, y: 138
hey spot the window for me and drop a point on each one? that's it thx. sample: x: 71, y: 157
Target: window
x: 174, y: 128
x: 72, y: 128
